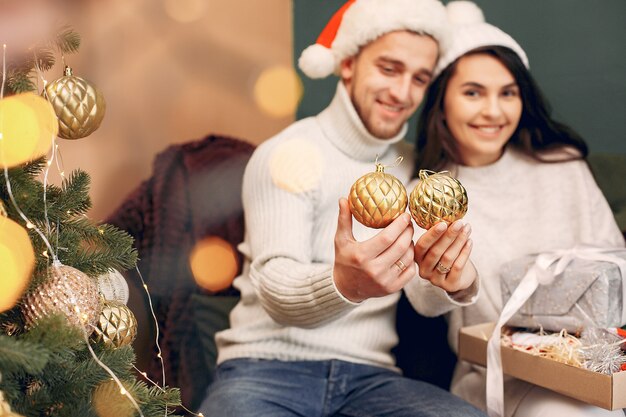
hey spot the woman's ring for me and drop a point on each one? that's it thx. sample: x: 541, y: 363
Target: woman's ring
x: 401, y: 266
x: 443, y: 270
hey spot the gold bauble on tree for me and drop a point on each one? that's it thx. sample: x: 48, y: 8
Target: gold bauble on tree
x: 67, y: 291
x: 108, y: 400
x: 437, y: 197
x: 116, y: 325
x: 79, y: 105
x: 377, y: 198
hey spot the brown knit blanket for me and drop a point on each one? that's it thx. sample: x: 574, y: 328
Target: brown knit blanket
x: 194, y: 192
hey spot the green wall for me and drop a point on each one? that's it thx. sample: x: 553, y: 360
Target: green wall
x: 576, y: 48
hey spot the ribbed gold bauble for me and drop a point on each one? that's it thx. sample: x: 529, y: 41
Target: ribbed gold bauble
x: 116, y: 325
x: 79, y: 105
x: 67, y: 291
x: 437, y: 197
x: 377, y: 198
x: 5, y: 408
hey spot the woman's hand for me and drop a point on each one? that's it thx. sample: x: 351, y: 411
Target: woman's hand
x: 442, y: 255
x: 376, y: 267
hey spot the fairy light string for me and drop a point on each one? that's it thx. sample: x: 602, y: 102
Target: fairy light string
x: 52, y: 153
x: 123, y: 390
x: 55, y: 158
x: 156, y: 324
x: 147, y: 378
x: 158, y: 345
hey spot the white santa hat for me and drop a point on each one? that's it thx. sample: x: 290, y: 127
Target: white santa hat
x: 468, y: 30
x: 359, y: 22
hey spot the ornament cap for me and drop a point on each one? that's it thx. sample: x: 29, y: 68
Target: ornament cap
x: 380, y: 167
x: 425, y: 173
x: 67, y: 71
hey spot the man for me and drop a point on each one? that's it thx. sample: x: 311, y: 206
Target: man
x: 312, y: 333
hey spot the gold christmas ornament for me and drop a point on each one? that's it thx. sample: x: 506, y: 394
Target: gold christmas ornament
x: 113, y: 286
x: 5, y: 408
x: 79, y: 105
x: 108, y: 400
x: 116, y: 325
x: 67, y: 291
x: 437, y: 197
x: 377, y: 198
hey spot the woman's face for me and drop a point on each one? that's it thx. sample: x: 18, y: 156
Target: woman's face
x: 482, y: 107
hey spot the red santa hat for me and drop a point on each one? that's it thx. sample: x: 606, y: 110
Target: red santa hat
x: 359, y: 22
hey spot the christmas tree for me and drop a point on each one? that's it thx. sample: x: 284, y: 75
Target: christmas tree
x: 65, y: 332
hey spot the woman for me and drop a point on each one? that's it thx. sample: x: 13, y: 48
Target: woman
x: 529, y: 187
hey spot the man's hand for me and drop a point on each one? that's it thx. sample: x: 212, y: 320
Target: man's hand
x: 442, y: 254
x: 376, y: 267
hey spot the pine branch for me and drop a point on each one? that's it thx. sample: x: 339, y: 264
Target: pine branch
x: 22, y: 356
x: 45, y: 59
x: 93, y: 249
x: 74, y: 196
x: 20, y: 82
x: 159, y: 400
x: 67, y: 40
x: 56, y: 334
x: 35, y: 167
x: 20, y: 70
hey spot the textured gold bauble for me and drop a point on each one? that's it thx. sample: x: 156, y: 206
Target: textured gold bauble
x: 437, y: 197
x: 79, y: 105
x: 377, y: 198
x: 5, y: 408
x: 108, y: 401
x: 116, y: 325
x: 67, y: 291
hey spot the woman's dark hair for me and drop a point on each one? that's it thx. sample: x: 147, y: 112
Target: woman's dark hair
x: 536, y: 134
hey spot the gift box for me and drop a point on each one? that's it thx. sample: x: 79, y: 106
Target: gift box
x: 587, y: 293
x: 606, y: 391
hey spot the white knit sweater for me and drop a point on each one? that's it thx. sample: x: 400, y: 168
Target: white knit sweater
x: 290, y: 308
x: 519, y: 206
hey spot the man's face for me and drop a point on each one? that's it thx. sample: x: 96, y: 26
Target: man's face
x: 387, y: 79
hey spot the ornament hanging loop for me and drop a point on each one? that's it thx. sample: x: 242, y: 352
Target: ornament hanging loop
x: 425, y: 173
x: 381, y: 168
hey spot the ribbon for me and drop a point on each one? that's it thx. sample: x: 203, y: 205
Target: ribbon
x: 537, y: 275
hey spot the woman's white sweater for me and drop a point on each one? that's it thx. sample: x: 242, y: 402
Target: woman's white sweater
x: 519, y: 206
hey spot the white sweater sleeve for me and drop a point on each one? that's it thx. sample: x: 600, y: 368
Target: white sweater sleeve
x: 432, y: 301
x: 292, y: 287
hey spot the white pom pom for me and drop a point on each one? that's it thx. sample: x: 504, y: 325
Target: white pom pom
x: 464, y: 13
x: 316, y: 61
x: 113, y: 286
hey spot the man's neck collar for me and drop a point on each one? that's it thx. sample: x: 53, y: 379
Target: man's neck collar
x: 343, y: 126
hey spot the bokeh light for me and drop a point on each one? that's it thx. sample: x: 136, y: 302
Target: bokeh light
x: 185, y: 11
x: 277, y: 91
x: 28, y: 125
x: 17, y: 260
x: 213, y: 263
x: 296, y: 166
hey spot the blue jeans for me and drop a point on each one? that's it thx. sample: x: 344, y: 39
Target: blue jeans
x: 255, y: 387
